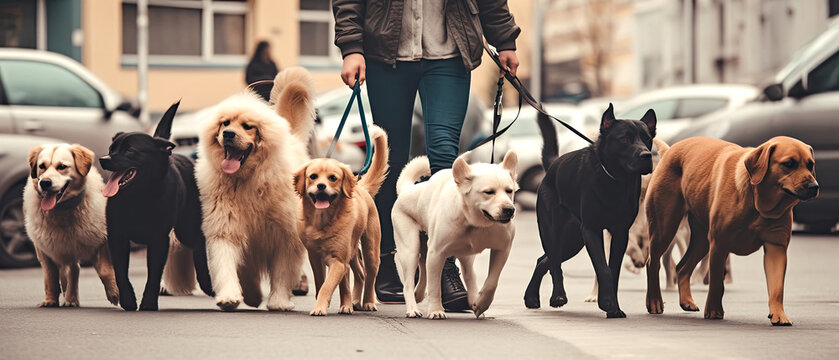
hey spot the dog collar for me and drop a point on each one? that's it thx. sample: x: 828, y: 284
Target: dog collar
x: 72, y: 202
x: 606, y: 171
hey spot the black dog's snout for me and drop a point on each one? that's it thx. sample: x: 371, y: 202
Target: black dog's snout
x: 812, y: 189
x: 508, y: 212
x: 45, y: 183
x: 228, y: 134
x: 321, y: 186
x: 646, y: 155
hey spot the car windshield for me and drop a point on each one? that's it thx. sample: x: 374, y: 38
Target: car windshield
x: 802, y: 57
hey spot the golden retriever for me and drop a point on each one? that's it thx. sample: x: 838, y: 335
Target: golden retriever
x: 737, y: 200
x: 64, y: 213
x: 337, y: 211
x: 248, y: 150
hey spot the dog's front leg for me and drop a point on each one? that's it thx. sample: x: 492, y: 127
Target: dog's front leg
x: 51, y: 286
x: 775, y: 267
x: 334, y: 275
x: 223, y: 258
x: 105, y: 270
x: 119, y: 247
x: 593, y: 239
x: 202, y: 271
x: 716, y: 288
x: 434, y: 264
x: 156, y: 255
x: 467, y: 264
x: 617, y: 248
x: 497, y: 259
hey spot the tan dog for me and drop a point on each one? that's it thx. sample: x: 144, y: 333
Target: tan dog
x: 737, y: 200
x: 248, y: 151
x: 64, y: 213
x: 337, y: 211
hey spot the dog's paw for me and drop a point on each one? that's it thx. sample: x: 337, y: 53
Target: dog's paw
x: 281, y: 305
x: 437, y: 315
x: 345, y: 309
x: 558, y: 301
x: 714, y: 314
x: 228, y: 303
x: 128, y: 302
x: 318, y: 311
x: 591, y: 298
x: 414, y: 314
x: 148, y: 306
x: 48, y: 303
x: 113, y: 298
x: 365, y: 307
x: 70, y: 303
x: 616, y: 314
x: 655, y: 305
x: 532, y: 302
x: 689, y: 305
x: 780, y: 320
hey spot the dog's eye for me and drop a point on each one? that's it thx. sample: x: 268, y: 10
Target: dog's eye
x: 61, y: 167
x: 509, y: 191
x: 333, y: 178
x: 489, y: 192
x: 810, y: 165
x: 42, y: 167
x: 313, y: 176
x: 225, y: 123
x: 790, y: 164
x: 246, y: 126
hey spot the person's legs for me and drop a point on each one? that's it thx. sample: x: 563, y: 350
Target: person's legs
x: 392, y: 91
x: 444, y: 92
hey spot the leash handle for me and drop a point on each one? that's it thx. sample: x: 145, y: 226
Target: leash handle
x: 356, y: 95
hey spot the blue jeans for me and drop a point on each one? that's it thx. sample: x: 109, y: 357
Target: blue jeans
x: 444, y: 93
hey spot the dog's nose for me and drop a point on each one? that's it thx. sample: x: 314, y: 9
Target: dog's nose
x: 228, y: 134
x: 508, y: 212
x: 321, y: 186
x: 646, y: 155
x: 812, y: 189
x: 45, y: 183
x: 105, y: 158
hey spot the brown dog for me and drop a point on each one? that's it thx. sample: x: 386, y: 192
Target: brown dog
x: 737, y: 200
x: 336, y: 212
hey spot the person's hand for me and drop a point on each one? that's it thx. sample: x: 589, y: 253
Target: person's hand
x: 508, y: 60
x: 354, y: 65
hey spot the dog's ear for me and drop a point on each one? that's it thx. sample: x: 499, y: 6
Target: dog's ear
x: 650, y: 120
x: 33, y: 161
x: 300, y: 180
x: 510, y: 163
x: 608, y: 119
x: 348, y: 182
x: 164, y: 145
x: 757, y: 163
x: 83, y: 158
x: 461, y: 172
x: 813, y: 154
x: 117, y: 135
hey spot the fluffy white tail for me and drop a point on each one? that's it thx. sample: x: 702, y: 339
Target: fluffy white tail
x: 412, y: 172
x: 293, y: 98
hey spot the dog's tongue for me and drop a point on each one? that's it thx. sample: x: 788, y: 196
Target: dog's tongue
x: 230, y: 165
x: 48, y: 202
x: 112, y: 186
x: 321, y: 204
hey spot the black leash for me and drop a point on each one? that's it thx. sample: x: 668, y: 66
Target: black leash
x: 524, y: 95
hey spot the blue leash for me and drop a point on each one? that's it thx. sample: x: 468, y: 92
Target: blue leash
x: 356, y: 94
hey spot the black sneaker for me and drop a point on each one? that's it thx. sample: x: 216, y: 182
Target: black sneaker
x: 455, y: 297
x: 388, y: 285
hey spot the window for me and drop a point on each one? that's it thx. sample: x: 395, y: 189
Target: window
x: 206, y: 31
x: 664, y: 110
x: 824, y: 77
x: 35, y: 83
x: 17, y: 24
x: 696, y: 107
x: 317, y: 31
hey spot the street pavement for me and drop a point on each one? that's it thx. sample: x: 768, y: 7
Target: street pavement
x: 192, y: 327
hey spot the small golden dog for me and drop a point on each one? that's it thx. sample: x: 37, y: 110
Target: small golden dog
x: 336, y: 212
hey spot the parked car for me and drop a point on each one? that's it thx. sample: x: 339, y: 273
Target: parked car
x: 676, y: 107
x: 807, y: 111
x: 47, y: 98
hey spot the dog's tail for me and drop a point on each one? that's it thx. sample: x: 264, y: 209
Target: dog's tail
x: 293, y: 98
x: 412, y: 172
x: 550, y: 144
x: 375, y: 176
x: 661, y: 145
x: 164, y: 127
x: 179, y: 272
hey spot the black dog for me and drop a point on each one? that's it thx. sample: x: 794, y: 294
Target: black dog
x: 151, y: 192
x: 584, y: 192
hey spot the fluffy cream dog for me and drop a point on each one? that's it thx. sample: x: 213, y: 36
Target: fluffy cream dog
x: 463, y: 210
x: 248, y: 150
x: 64, y: 213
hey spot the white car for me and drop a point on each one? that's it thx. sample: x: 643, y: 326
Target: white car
x: 676, y: 107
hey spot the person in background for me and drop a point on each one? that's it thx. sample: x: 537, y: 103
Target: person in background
x: 261, y: 67
x: 431, y: 46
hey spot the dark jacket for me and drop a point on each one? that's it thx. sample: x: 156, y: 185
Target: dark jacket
x: 372, y: 27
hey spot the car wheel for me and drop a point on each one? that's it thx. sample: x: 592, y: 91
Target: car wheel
x: 531, y: 179
x: 16, y: 250
x: 821, y: 227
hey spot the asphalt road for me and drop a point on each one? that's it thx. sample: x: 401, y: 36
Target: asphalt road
x: 192, y: 327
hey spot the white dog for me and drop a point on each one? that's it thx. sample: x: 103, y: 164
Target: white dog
x: 463, y: 210
x: 248, y: 150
